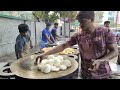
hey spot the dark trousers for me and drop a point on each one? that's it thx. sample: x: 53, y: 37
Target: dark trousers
x: 118, y: 61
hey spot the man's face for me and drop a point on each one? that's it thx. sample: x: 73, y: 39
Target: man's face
x: 23, y: 34
x: 85, y: 24
x: 107, y: 24
x: 56, y: 26
x: 48, y: 27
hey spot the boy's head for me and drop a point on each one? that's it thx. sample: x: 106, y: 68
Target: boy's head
x: 86, y: 19
x: 48, y: 25
x: 23, y: 28
x: 56, y: 25
x: 106, y: 23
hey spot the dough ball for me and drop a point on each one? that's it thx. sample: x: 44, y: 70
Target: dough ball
x: 60, y: 57
x: 50, y: 61
x: 53, y: 68
x: 56, y: 63
x: 46, y: 68
x: 40, y: 66
x: 62, y: 67
x: 67, y: 63
x: 44, y: 61
x: 50, y: 57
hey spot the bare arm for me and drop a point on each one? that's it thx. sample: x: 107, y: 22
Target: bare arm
x: 113, y: 51
x: 31, y: 43
x: 53, y: 51
x: 52, y: 38
x: 57, y: 38
x: 111, y: 45
x: 57, y: 49
x: 48, y: 39
x: 20, y: 55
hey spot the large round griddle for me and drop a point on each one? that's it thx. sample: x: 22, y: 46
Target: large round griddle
x: 20, y: 70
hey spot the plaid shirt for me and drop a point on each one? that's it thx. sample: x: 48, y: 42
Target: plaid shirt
x: 93, y: 46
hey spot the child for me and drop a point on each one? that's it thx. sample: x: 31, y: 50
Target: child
x: 22, y: 45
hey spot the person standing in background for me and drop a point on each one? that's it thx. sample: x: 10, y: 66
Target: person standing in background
x: 46, y: 36
x: 107, y: 24
x: 54, y: 32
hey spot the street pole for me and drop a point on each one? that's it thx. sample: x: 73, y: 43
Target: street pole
x: 64, y: 28
x: 116, y: 18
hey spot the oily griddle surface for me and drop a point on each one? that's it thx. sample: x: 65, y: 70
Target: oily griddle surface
x: 22, y: 67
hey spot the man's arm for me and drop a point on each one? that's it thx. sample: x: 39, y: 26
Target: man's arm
x: 57, y: 49
x: 113, y: 51
x: 31, y: 43
x: 52, y: 38
x: 48, y: 38
x: 20, y: 54
x: 57, y: 38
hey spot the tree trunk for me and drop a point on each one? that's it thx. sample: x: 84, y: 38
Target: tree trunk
x: 116, y: 18
x: 69, y: 29
x: 35, y: 35
x: 64, y: 28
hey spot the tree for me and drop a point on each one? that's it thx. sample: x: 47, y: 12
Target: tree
x: 46, y: 17
x: 39, y: 14
x: 63, y: 14
x: 72, y: 17
x: 67, y: 14
x: 98, y: 16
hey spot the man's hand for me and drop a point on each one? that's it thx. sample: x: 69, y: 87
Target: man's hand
x: 96, y: 64
x: 31, y: 46
x: 38, y: 59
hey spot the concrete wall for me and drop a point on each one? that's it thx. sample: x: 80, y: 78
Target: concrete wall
x: 9, y: 32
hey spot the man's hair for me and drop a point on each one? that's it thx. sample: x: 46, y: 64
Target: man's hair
x: 106, y: 22
x: 48, y: 24
x: 55, y: 24
x: 86, y: 14
x: 23, y: 28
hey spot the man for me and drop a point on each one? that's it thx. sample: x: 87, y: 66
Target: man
x: 22, y: 41
x: 54, y: 32
x: 107, y: 24
x: 93, y: 43
x: 117, y: 35
x: 47, y: 36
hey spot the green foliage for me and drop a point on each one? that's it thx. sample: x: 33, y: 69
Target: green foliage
x: 98, y: 16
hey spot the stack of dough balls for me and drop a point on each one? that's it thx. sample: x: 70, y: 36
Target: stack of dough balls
x: 46, y: 49
x: 53, y: 64
x: 66, y: 51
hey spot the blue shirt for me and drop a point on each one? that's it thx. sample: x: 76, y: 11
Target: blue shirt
x: 53, y: 32
x: 45, y: 32
x: 20, y: 42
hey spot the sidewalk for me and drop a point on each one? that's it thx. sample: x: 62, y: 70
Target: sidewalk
x: 12, y: 57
